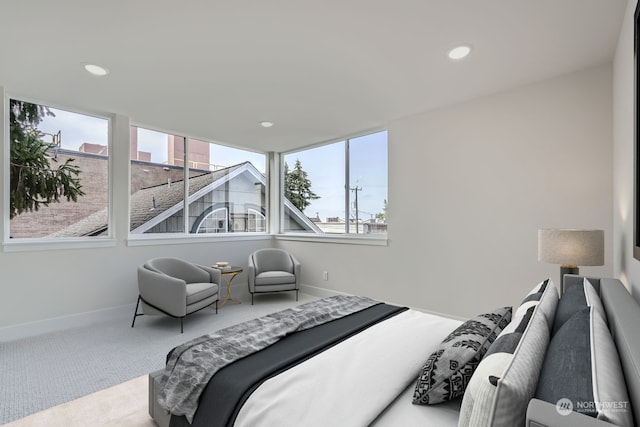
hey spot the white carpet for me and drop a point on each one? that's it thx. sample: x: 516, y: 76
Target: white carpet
x: 40, y: 372
x: 123, y: 405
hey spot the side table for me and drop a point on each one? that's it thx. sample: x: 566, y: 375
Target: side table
x: 228, y: 273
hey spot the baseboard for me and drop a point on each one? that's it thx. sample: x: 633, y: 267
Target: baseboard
x: 323, y: 293
x: 319, y: 292
x: 29, y: 329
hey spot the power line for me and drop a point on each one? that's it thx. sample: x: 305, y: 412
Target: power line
x: 356, y: 189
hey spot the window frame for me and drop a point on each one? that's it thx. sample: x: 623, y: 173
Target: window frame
x: 187, y: 236
x: 636, y: 133
x: 212, y: 214
x: 24, y: 244
x: 254, y: 217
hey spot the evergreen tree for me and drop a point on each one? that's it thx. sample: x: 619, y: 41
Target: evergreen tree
x: 297, y: 187
x: 383, y: 215
x: 34, y: 181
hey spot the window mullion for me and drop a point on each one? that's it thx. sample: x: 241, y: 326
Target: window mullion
x: 346, y: 186
x: 185, y: 182
x: 274, y: 193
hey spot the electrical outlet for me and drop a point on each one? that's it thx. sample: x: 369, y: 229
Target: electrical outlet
x: 325, y: 275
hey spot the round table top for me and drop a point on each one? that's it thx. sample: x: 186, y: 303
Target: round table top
x: 229, y: 269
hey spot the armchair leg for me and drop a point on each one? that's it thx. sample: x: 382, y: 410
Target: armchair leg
x: 182, y: 325
x: 251, y: 299
x: 296, y: 294
x: 135, y: 313
x: 216, y: 306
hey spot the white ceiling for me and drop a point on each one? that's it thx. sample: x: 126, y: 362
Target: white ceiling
x: 319, y: 69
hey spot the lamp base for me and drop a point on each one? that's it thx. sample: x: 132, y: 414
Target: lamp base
x: 567, y: 269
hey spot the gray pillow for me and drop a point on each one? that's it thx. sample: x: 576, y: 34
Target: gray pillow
x: 448, y: 369
x: 575, y: 298
x: 582, y: 365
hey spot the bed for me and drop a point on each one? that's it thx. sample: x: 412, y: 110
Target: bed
x: 381, y: 365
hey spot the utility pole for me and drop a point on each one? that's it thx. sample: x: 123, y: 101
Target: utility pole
x: 356, y: 189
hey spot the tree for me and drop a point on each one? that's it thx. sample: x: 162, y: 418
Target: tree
x: 297, y: 187
x: 34, y: 181
x: 383, y: 215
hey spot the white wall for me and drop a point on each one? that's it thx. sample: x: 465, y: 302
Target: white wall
x: 469, y: 185
x: 625, y: 265
x: 46, y: 284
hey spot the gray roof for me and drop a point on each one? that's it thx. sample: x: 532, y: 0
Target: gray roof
x: 166, y: 197
x: 92, y: 225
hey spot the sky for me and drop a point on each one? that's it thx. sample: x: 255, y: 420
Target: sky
x: 77, y: 129
x: 325, y: 165
x: 156, y: 143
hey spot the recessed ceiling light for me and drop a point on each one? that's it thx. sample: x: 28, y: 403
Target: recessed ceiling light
x: 459, y: 52
x: 266, y: 124
x: 96, y: 70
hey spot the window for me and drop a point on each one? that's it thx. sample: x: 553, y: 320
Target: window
x: 59, y: 173
x: 225, y: 186
x: 338, y: 188
x: 368, y: 184
x: 257, y: 221
x: 157, y: 182
x: 215, y: 221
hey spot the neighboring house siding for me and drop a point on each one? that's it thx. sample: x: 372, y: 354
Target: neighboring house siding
x: 173, y: 224
x: 146, y: 174
x: 292, y: 225
x: 237, y: 195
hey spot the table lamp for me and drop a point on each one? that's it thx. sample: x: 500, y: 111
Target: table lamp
x: 571, y: 248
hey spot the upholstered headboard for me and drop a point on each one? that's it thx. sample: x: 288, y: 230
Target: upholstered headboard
x: 623, y: 316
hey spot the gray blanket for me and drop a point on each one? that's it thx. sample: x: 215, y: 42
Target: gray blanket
x: 191, y: 365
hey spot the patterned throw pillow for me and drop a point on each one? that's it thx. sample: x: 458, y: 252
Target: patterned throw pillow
x: 504, y: 382
x: 447, y: 371
x: 547, y: 290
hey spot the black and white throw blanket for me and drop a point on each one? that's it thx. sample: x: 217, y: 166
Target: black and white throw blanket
x: 191, y: 365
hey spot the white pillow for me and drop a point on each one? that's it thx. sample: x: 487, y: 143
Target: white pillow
x: 506, y: 378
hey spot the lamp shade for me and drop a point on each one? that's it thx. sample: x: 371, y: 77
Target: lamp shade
x: 571, y: 247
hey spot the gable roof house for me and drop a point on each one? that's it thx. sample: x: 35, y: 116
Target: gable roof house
x: 533, y: 129
x: 160, y: 209
x: 224, y: 200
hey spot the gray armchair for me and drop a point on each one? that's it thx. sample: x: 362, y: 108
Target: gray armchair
x: 176, y: 288
x: 273, y: 270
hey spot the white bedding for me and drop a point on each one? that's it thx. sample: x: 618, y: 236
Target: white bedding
x: 352, y: 383
x: 402, y: 413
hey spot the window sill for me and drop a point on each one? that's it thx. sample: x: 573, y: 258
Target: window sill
x: 338, y: 238
x: 59, y: 243
x: 181, y: 239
